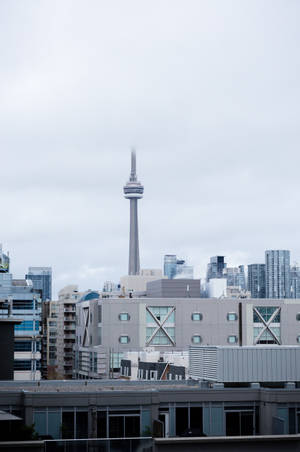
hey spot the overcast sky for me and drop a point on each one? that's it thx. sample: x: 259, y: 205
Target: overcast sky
x: 207, y: 92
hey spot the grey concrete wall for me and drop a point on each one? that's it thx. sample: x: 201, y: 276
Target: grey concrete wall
x: 174, y: 288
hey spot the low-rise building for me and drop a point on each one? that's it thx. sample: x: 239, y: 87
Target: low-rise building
x: 107, y: 328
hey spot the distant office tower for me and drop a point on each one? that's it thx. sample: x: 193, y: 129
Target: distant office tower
x: 41, y: 278
x: 177, y: 268
x: 295, y: 282
x: 235, y: 277
x: 257, y: 280
x: 215, y: 269
x: 277, y: 273
x: 4, y: 261
x: 170, y: 263
x: 133, y: 191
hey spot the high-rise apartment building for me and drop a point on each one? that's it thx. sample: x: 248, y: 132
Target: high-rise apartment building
x: 235, y: 277
x: 216, y: 267
x: 277, y: 273
x: 295, y: 282
x: 41, y: 278
x: 66, y: 330
x: 257, y: 280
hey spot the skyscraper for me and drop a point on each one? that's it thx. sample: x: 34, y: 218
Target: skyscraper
x: 235, y: 276
x: 295, y: 282
x: 41, y: 278
x: 133, y: 191
x: 277, y: 274
x: 257, y: 280
x: 215, y: 268
x: 4, y: 261
x: 177, y: 268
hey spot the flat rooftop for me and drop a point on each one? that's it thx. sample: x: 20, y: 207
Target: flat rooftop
x: 94, y: 386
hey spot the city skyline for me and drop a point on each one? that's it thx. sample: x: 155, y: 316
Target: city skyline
x: 211, y: 107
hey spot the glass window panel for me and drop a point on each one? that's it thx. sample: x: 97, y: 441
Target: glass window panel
x: 101, y: 424
x: 54, y: 424
x: 197, y: 316
x: 67, y: 426
x: 81, y: 424
x: 116, y: 427
x: 231, y: 316
x: 40, y: 422
x: 146, y: 423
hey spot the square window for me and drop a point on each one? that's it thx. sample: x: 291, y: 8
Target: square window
x: 197, y: 316
x: 231, y: 316
x: 124, y: 316
x: 196, y: 339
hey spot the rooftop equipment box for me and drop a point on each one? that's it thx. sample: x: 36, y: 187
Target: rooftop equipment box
x: 260, y: 363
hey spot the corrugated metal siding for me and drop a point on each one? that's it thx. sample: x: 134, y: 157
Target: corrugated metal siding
x: 203, y: 362
x: 245, y: 364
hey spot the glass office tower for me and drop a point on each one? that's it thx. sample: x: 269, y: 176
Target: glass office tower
x: 277, y: 274
x: 257, y: 280
x: 41, y: 278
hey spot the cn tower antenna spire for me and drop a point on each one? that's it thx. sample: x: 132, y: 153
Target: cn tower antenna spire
x: 133, y: 166
x: 133, y: 191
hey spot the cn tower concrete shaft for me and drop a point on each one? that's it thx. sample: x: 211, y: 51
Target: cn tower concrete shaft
x: 134, y: 253
x: 133, y: 191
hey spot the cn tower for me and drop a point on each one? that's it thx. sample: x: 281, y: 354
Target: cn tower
x: 133, y: 191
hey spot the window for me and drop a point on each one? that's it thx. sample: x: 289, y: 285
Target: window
x: 266, y: 325
x: 197, y: 316
x: 23, y: 346
x: 196, y: 339
x: 298, y: 339
x: 264, y: 313
x: 232, y: 339
x: 231, y: 316
x: 153, y: 374
x: 124, y: 316
x: 124, y: 339
x: 160, y: 328
x: 298, y: 317
x: 22, y: 365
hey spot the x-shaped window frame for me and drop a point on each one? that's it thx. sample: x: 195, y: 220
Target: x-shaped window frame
x: 86, y: 317
x: 160, y: 326
x: 267, y: 325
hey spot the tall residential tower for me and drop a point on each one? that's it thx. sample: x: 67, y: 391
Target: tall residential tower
x: 277, y: 273
x: 133, y: 191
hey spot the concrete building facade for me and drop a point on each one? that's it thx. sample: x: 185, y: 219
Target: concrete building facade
x: 133, y: 191
x: 66, y: 330
x: 107, y: 328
